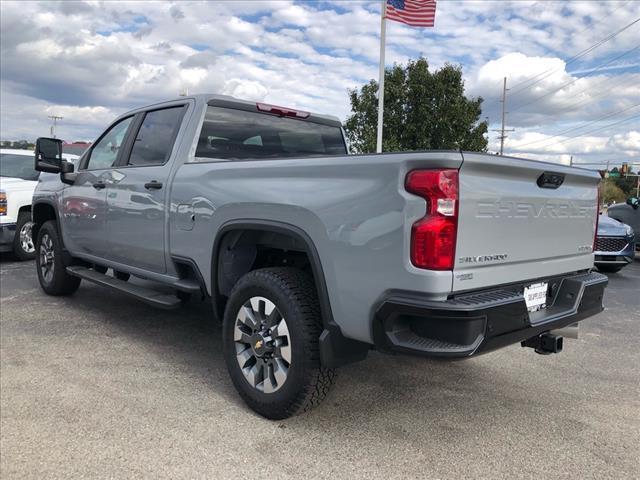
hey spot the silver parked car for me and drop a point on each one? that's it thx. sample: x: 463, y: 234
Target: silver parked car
x: 615, y: 247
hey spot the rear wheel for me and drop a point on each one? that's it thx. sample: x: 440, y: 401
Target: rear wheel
x: 23, y: 245
x: 271, y: 329
x: 51, y: 269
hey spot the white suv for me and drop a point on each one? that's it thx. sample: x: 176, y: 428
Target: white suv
x: 18, y: 180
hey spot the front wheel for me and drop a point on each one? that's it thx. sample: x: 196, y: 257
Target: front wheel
x: 51, y: 269
x: 271, y: 329
x: 23, y: 247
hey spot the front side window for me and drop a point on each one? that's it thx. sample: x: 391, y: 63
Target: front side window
x: 17, y: 166
x: 238, y: 134
x: 105, y: 153
x: 156, y: 136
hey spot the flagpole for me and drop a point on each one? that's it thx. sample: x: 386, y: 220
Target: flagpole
x: 381, y: 77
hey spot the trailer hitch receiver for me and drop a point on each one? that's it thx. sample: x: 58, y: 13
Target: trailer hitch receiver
x: 545, y: 343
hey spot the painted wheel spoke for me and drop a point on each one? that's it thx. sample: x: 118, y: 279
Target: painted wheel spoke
x: 280, y: 371
x: 263, y: 344
x: 245, y: 357
x: 241, y: 336
x: 254, y: 374
x: 247, y: 316
x: 274, y: 318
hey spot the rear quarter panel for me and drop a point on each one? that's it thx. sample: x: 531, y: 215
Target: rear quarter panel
x: 353, y: 208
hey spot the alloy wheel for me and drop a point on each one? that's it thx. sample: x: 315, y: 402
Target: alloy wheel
x: 26, y: 240
x: 263, y: 344
x: 47, y: 256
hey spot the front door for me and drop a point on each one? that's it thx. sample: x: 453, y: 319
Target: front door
x: 84, y: 204
x: 137, y: 197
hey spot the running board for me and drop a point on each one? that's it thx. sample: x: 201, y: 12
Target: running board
x: 147, y: 295
x: 187, y: 285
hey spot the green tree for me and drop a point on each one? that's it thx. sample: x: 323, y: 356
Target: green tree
x: 423, y: 110
x: 611, y: 192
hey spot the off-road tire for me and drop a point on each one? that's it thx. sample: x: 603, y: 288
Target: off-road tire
x: 295, y: 296
x: 60, y: 283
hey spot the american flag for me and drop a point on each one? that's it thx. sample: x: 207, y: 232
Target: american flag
x: 417, y: 13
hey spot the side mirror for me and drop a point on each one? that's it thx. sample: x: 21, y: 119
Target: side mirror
x: 66, y: 172
x: 48, y: 155
x: 634, y: 202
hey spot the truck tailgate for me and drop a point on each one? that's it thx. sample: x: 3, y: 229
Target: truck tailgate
x: 512, y: 229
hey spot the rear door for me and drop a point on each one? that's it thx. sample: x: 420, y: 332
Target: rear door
x: 84, y: 206
x: 522, y: 219
x: 137, y: 197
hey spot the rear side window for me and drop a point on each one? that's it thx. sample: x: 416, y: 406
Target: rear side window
x: 154, y: 141
x: 237, y: 134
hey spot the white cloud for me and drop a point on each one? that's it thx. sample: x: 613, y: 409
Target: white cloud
x: 94, y: 60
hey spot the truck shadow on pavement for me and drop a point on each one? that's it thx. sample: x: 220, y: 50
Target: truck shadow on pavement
x: 189, y: 340
x: 394, y: 393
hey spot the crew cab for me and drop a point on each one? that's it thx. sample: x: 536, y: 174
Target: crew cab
x: 312, y: 257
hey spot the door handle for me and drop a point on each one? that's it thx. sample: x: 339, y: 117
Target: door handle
x: 99, y: 185
x: 153, y: 185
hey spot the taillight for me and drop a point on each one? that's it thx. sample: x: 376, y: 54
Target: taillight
x: 282, y: 111
x: 3, y: 203
x: 595, y: 234
x: 433, y: 237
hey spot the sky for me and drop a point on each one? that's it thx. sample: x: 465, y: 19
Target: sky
x: 572, y: 67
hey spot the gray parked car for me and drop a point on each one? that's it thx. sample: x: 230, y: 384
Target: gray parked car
x: 628, y: 213
x: 310, y: 256
x: 615, y: 245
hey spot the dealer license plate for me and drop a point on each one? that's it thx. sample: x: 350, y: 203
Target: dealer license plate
x: 535, y: 296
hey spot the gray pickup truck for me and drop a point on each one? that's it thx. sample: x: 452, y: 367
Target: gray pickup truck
x: 312, y: 257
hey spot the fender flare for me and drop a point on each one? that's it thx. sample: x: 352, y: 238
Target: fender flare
x: 49, y: 203
x: 66, y: 256
x: 335, y: 349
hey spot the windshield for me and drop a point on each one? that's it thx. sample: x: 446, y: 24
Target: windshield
x: 238, y: 134
x: 18, y: 166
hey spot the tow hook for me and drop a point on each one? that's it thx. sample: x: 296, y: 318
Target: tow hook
x: 545, y: 343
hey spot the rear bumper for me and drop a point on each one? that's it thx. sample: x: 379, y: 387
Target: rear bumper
x: 7, y: 233
x: 479, y: 322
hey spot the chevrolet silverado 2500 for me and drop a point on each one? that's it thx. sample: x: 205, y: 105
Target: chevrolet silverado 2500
x: 310, y: 256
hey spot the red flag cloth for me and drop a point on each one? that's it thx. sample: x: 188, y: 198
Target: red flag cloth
x: 417, y: 13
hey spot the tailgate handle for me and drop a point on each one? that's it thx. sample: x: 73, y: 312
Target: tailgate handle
x: 550, y: 180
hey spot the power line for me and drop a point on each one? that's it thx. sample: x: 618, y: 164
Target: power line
x: 593, y: 130
x: 597, y: 44
x: 606, y: 80
x: 611, y: 114
x: 574, y: 80
x: 575, y: 57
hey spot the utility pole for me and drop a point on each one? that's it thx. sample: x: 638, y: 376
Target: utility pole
x: 571, y: 161
x: 55, y: 119
x: 504, y: 113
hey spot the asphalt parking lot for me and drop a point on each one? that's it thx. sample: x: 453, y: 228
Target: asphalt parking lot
x: 99, y: 385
